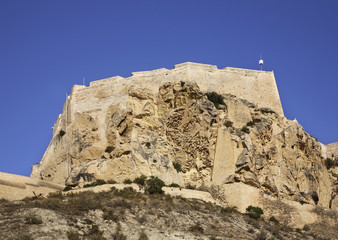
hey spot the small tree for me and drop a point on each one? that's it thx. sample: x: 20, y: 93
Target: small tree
x: 154, y: 185
x: 127, y: 181
x: 140, y: 180
x: 254, y: 212
x: 329, y: 163
x: 228, y: 124
x: 109, y: 149
x: 215, y: 98
x: 177, y: 166
x: 245, y: 129
x: 62, y: 133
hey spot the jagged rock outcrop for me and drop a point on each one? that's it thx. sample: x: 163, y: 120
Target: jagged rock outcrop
x: 146, y: 131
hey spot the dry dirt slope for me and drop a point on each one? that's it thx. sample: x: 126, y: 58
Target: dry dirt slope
x: 126, y: 214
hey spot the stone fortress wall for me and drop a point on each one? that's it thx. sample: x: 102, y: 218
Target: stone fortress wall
x: 258, y: 87
x: 15, y: 187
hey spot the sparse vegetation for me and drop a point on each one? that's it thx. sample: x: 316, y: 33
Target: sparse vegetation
x: 245, y: 129
x: 329, y: 163
x: 25, y: 236
x: 229, y: 209
x: 254, y: 212
x: 196, y: 228
x: 110, y: 215
x: 120, y: 205
x: 174, y: 185
x: 189, y: 186
x: 306, y: 227
x: 143, y: 236
x: 274, y: 220
x: 154, y: 185
x: 228, y: 124
x: 215, y: 98
x: 73, y: 235
x: 109, y: 149
x: 96, y: 183
x: 140, y: 180
x: 148, y: 144
x: 111, y: 182
x: 118, y: 235
x: 127, y: 181
x: 95, y: 233
x: 177, y: 166
x: 250, y: 124
x: 33, y: 220
x: 62, y: 133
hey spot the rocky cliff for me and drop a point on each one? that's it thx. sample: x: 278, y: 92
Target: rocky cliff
x: 120, y: 129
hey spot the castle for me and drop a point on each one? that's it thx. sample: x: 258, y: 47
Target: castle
x: 156, y: 117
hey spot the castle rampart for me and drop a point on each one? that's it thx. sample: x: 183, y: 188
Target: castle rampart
x: 15, y: 187
x: 258, y: 87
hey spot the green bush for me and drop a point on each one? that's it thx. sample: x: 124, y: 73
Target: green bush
x: 274, y: 220
x: 177, y: 166
x: 95, y: 233
x: 254, y: 212
x: 228, y: 124
x: 49, y: 203
x: 245, y: 129
x: 109, y: 149
x: 118, y: 235
x: 154, y: 185
x: 306, y: 227
x: 189, y: 186
x: 329, y: 163
x: 62, y: 133
x: 96, y: 183
x: 250, y: 124
x: 143, y: 236
x: 73, y: 235
x: 140, y: 180
x: 127, y: 181
x: 229, y: 209
x: 196, y: 228
x: 174, y: 185
x: 109, y: 215
x: 215, y: 98
x: 33, y: 220
x: 24, y: 236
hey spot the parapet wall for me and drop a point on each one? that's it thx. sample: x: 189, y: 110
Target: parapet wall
x: 15, y: 187
x: 258, y: 87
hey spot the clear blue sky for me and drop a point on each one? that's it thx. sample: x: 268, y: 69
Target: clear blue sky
x: 48, y: 46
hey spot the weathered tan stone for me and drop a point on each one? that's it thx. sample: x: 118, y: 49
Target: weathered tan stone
x: 156, y: 118
x: 16, y: 187
x: 224, y: 164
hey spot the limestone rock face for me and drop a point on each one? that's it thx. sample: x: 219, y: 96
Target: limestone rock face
x: 141, y: 130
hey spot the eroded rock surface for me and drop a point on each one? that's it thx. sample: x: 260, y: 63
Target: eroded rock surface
x: 144, y: 133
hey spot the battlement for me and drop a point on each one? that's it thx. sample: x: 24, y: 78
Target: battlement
x: 258, y: 87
